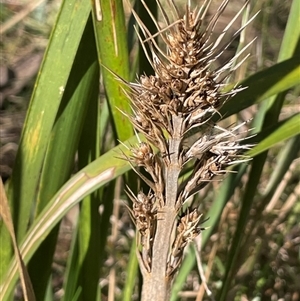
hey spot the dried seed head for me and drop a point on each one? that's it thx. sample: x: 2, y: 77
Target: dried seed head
x: 185, y: 83
x: 187, y: 229
x: 143, y: 154
x: 183, y: 94
x: 213, y: 151
x: 144, y: 214
x: 224, y: 143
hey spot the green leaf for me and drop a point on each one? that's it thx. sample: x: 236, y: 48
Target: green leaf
x: 42, y: 111
x: 111, y: 40
x: 286, y: 130
x: 132, y: 273
x: 288, y: 153
x: 71, y: 290
x: 80, y: 92
x: 95, y: 175
x: 263, y: 84
x: 292, y: 34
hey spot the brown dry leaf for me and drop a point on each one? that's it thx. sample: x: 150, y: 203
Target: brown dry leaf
x: 6, y: 216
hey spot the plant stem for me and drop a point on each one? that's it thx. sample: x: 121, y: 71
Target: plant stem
x: 157, y: 284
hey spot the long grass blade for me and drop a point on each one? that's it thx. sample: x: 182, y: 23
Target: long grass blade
x: 287, y: 130
x: 44, y: 105
x: 263, y: 84
x: 81, y: 90
x: 96, y: 174
x: 110, y: 29
x: 89, y: 224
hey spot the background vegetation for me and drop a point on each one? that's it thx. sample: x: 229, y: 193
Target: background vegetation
x: 66, y: 188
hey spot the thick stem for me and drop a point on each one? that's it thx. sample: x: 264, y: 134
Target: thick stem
x: 157, y: 285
